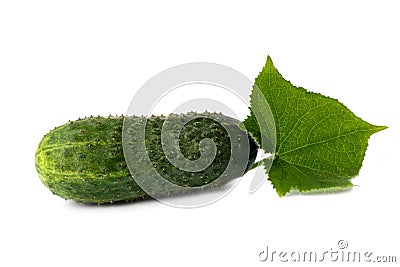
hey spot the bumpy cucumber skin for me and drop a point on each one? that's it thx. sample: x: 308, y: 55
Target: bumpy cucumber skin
x: 83, y: 160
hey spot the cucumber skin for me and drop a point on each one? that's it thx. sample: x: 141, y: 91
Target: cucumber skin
x: 83, y: 160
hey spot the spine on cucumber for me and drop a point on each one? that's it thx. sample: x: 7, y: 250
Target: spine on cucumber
x: 84, y: 159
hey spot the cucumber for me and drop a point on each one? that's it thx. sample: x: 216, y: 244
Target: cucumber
x: 84, y: 160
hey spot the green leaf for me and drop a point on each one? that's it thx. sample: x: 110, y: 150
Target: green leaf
x: 320, y: 144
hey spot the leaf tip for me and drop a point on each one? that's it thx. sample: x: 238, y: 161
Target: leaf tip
x: 242, y: 125
x: 269, y: 61
x: 281, y: 191
x: 379, y: 128
x: 281, y: 194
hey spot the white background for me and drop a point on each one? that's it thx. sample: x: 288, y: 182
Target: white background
x: 63, y: 59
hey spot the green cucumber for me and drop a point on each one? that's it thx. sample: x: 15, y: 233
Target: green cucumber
x: 84, y: 159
